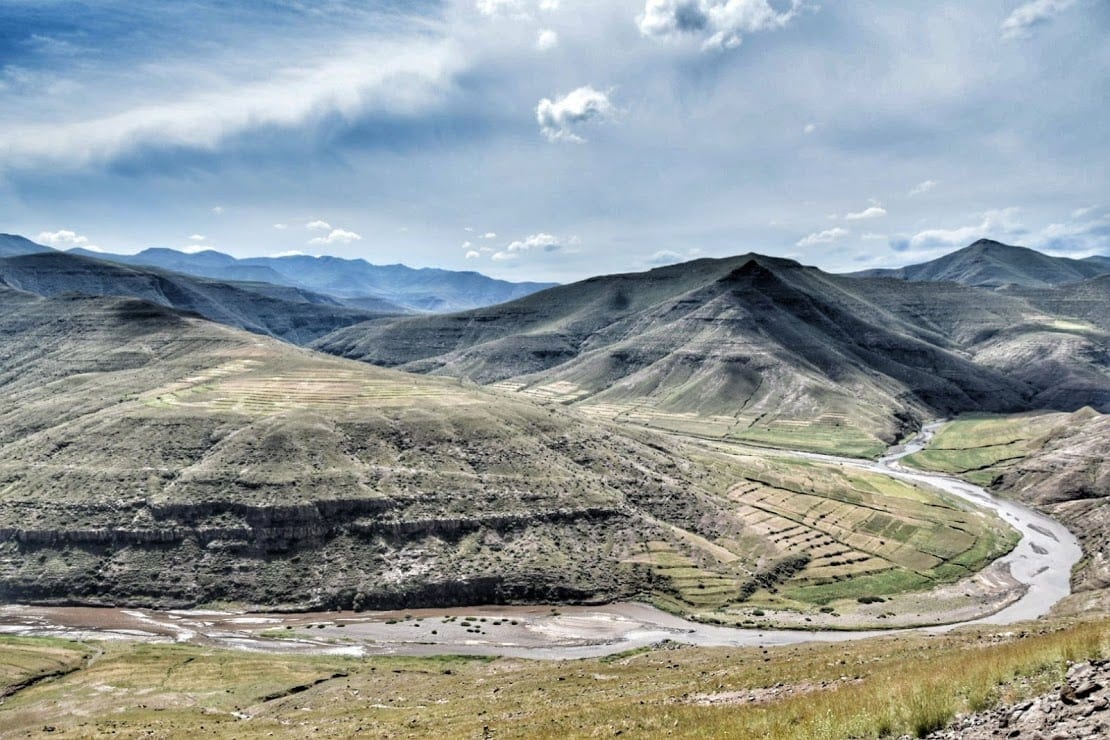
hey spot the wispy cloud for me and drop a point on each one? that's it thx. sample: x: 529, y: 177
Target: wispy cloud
x: 394, y: 77
x: 874, y: 211
x: 923, y: 187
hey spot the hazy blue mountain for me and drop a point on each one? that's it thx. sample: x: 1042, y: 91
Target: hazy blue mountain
x: 289, y: 313
x: 991, y: 264
x: 357, y: 282
x: 13, y: 245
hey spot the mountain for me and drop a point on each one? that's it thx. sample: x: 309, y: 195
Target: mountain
x: 12, y: 245
x: 150, y: 457
x: 761, y: 349
x: 356, y: 282
x: 991, y: 264
x: 292, y: 314
x: 207, y: 263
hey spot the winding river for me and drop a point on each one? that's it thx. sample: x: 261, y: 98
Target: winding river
x: 1041, y: 562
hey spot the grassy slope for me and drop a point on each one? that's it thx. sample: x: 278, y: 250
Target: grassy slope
x: 884, y: 687
x: 1056, y: 461
x: 142, y: 444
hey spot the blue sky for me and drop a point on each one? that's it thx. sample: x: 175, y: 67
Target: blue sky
x: 556, y: 139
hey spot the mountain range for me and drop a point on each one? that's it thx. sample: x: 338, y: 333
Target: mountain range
x: 354, y: 282
x: 767, y: 350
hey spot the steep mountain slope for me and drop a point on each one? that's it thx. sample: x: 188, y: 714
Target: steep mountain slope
x: 759, y: 349
x: 991, y: 264
x: 357, y: 282
x: 148, y: 457
x: 12, y: 245
x: 292, y: 314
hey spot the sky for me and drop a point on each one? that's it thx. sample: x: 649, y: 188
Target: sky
x: 557, y: 139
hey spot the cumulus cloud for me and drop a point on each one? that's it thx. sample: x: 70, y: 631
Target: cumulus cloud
x: 809, y: 128
x: 875, y: 211
x: 197, y: 237
x: 218, y: 210
x: 514, y: 8
x: 828, y: 236
x: 472, y: 255
x: 721, y: 24
x: 288, y: 253
x: 542, y: 242
x: 318, y: 226
x: 281, y: 227
x: 195, y: 248
x: 65, y: 239
x: 557, y: 118
x: 547, y: 40
x: 489, y: 235
x: 1025, y: 18
x: 994, y: 224
x: 664, y: 257
x: 923, y: 187
x: 337, y: 236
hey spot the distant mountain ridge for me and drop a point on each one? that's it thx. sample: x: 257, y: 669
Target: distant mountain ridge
x: 991, y: 264
x: 13, y: 245
x: 288, y: 313
x: 354, y: 281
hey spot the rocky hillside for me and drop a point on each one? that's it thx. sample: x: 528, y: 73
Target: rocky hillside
x: 292, y: 314
x: 764, y: 350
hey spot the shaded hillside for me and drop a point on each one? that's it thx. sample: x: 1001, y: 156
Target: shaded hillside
x: 759, y: 349
x: 148, y: 457
x: 291, y: 314
x: 357, y: 282
x: 991, y: 264
x: 12, y: 245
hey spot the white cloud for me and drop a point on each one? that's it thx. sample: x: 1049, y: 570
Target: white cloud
x: 218, y: 210
x: 995, y: 224
x: 721, y: 24
x: 827, y: 236
x: 65, y: 239
x: 871, y: 236
x: 923, y: 187
x: 557, y: 118
x: 337, y: 236
x: 318, y: 226
x: 197, y: 237
x: 500, y: 7
x: 467, y: 245
x: 472, y: 255
x: 547, y: 40
x: 195, y: 248
x: 1081, y: 212
x: 664, y: 257
x: 489, y: 235
x: 403, y: 77
x: 540, y: 242
x: 281, y: 227
x: 810, y: 128
x: 1025, y: 18
x: 875, y: 211
x: 288, y: 253
x: 549, y: 5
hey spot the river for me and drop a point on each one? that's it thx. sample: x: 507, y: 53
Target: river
x: 1042, y: 562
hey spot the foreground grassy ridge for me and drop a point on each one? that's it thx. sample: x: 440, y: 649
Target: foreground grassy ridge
x: 909, y: 684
